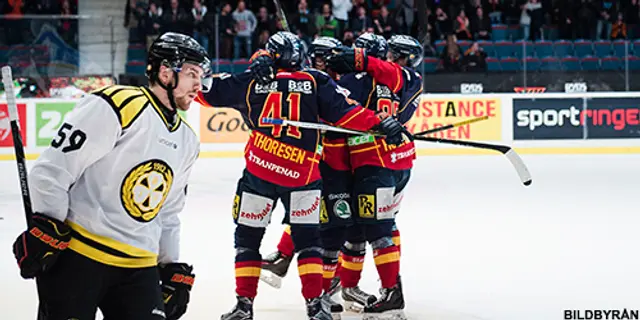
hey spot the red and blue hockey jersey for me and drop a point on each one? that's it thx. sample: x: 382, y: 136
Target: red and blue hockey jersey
x: 385, y: 87
x: 287, y: 156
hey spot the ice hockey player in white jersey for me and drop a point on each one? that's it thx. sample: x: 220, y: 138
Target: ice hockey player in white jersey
x: 106, y: 196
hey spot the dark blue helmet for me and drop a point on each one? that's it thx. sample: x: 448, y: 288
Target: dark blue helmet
x: 323, y: 45
x: 287, y: 49
x: 373, y: 44
x: 403, y: 46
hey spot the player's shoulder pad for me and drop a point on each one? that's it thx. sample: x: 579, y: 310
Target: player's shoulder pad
x: 321, y: 77
x: 127, y: 102
x: 411, y: 74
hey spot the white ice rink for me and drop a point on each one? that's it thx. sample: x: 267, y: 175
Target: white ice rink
x: 476, y: 244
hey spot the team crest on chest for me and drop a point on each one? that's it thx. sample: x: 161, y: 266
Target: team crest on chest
x: 145, y: 188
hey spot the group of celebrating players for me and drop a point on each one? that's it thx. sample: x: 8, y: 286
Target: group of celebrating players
x: 339, y: 191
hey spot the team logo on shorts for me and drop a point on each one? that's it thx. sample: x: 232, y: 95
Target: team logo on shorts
x: 342, y: 209
x: 145, y: 188
x: 366, y: 206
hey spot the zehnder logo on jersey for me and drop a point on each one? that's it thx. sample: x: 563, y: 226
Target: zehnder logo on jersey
x: 259, y: 215
x: 307, y: 212
x: 145, y: 188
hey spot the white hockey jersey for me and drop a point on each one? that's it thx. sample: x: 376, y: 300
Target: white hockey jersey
x: 117, y: 174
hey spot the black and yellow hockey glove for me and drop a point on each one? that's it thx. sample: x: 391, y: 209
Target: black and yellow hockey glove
x: 177, y: 281
x: 38, y: 248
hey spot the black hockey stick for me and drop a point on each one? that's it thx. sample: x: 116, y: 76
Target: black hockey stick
x: 450, y: 126
x: 18, y: 146
x: 512, y: 156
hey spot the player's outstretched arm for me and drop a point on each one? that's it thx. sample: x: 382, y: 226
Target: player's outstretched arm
x: 227, y: 90
x: 337, y: 108
x: 345, y: 60
x: 88, y: 133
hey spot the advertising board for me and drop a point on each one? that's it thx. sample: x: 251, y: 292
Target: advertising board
x: 6, y: 138
x: 222, y: 125
x: 612, y: 118
x: 547, y: 118
x: 437, y: 112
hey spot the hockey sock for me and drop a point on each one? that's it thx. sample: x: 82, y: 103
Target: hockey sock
x: 329, y: 266
x: 352, y: 263
x: 248, y: 264
x: 396, y: 238
x: 387, y: 260
x: 332, y: 239
x: 307, y: 244
x: 285, y: 246
x: 248, y: 260
x: 339, y: 266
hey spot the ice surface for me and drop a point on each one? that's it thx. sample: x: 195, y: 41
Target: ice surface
x: 476, y: 244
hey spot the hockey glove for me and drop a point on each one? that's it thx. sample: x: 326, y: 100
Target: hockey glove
x: 345, y: 60
x: 177, y: 280
x: 262, y: 67
x: 393, y: 130
x: 38, y: 248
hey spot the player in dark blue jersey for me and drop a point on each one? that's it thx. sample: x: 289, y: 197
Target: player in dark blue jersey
x: 282, y: 162
x: 381, y: 172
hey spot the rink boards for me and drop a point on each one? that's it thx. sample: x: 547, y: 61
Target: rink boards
x: 537, y: 123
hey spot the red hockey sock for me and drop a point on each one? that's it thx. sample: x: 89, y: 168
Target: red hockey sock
x: 396, y: 239
x: 339, y: 266
x: 247, y: 276
x: 388, y: 264
x: 328, y: 273
x: 310, y: 270
x: 285, y: 246
x: 350, y: 270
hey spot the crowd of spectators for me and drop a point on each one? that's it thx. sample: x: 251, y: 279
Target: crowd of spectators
x: 18, y: 30
x: 235, y: 28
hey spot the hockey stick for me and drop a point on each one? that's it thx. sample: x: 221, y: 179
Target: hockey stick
x: 512, y: 156
x: 450, y: 126
x: 281, y: 16
x: 18, y: 146
x: 317, y: 126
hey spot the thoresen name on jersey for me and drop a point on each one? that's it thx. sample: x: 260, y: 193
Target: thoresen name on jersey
x: 279, y: 149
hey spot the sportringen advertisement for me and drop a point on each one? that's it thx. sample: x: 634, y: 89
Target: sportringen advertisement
x: 542, y: 118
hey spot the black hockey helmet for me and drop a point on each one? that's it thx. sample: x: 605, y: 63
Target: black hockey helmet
x: 373, y: 44
x: 287, y: 50
x: 403, y: 46
x: 323, y: 45
x: 173, y: 50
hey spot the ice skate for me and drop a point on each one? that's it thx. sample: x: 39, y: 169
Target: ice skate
x: 318, y: 309
x: 355, y: 299
x: 274, y: 268
x: 336, y: 308
x: 242, y: 311
x: 389, y: 306
x: 335, y: 286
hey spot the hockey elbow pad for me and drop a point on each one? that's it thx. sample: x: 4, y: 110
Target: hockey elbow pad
x: 177, y: 281
x: 38, y: 248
